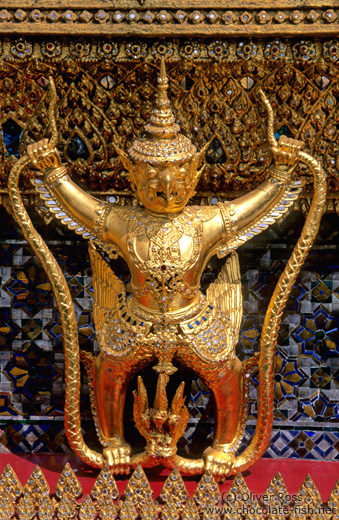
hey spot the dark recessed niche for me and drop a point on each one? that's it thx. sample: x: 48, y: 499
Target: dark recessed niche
x: 77, y: 149
x: 215, y: 153
x: 11, y: 132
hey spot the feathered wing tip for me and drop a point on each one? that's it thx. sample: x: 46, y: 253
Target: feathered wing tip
x: 225, y: 292
x: 233, y: 269
x: 106, y: 289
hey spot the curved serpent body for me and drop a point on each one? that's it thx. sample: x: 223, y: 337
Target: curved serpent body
x: 67, y: 318
x: 65, y: 307
x: 273, y: 316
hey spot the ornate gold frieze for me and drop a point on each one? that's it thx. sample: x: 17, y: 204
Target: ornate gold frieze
x: 209, y: 501
x: 104, y: 100
x: 165, y: 18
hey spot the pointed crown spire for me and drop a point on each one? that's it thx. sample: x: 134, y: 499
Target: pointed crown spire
x: 162, y: 142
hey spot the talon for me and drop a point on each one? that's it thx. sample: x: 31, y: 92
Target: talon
x: 218, y: 462
x: 118, y: 458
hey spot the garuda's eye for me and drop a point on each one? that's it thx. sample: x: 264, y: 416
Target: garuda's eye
x: 182, y: 174
x: 151, y: 173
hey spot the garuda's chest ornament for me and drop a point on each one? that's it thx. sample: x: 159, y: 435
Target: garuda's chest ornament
x: 164, y: 318
x: 164, y: 250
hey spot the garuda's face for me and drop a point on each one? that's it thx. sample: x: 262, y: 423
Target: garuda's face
x: 163, y: 189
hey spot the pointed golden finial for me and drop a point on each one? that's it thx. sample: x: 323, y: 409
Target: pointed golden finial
x: 162, y: 101
x: 11, y: 483
x: 138, y: 490
x: 207, y: 494
x: 162, y: 79
x: 68, y: 484
x: 37, y: 486
x: 104, y: 487
x: 87, y: 509
x: 174, y: 488
x: 162, y: 122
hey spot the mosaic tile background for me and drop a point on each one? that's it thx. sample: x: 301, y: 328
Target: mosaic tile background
x: 307, y: 362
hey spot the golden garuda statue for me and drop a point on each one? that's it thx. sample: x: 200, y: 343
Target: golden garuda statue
x: 166, y: 244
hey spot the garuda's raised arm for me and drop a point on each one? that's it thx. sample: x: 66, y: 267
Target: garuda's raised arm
x: 80, y: 211
x: 250, y: 214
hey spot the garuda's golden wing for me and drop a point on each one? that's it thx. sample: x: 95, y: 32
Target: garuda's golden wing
x: 108, y: 290
x: 225, y: 292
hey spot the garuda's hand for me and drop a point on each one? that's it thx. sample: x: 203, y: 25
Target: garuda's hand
x: 43, y: 156
x: 286, y: 151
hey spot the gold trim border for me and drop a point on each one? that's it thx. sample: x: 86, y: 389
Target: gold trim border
x: 21, y: 49
x: 209, y: 500
x: 170, y: 19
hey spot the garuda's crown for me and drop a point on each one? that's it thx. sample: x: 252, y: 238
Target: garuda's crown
x: 162, y: 143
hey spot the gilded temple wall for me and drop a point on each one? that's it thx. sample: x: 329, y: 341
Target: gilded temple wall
x: 104, y: 60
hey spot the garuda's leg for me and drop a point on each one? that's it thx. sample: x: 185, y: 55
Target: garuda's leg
x: 226, y: 385
x: 111, y: 383
x: 219, y: 457
x: 225, y: 382
x: 110, y: 393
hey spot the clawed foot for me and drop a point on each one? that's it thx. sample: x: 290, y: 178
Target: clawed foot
x: 218, y: 462
x: 118, y: 457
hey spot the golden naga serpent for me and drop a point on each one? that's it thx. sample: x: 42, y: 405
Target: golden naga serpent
x: 64, y: 302
x: 269, y: 333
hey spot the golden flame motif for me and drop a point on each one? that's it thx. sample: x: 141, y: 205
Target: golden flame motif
x: 105, y: 488
x: 68, y: 484
x: 37, y: 486
x: 206, y: 503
